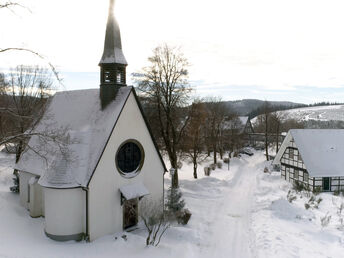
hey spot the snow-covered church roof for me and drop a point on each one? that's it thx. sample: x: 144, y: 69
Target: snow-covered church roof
x: 78, y: 117
x: 322, y: 150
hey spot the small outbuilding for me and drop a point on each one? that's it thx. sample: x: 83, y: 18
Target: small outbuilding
x: 93, y: 158
x: 313, y: 157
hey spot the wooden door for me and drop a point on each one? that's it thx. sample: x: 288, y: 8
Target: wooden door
x: 130, y: 213
x: 326, y: 184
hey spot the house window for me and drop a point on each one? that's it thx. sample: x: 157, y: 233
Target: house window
x: 296, y: 174
x: 129, y: 158
x: 291, y: 153
x: 305, y: 177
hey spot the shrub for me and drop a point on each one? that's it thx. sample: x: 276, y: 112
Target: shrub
x: 317, y: 190
x: 226, y: 160
x: 207, y: 171
x: 307, y: 206
x: 154, y: 220
x: 298, y: 186
x: 336, y: 192
x: 213, y: 166
x: 219, y: 164
x: 179, y: 164
x: 183, y: 216
x: 291, y: 197
x: 325, y: 220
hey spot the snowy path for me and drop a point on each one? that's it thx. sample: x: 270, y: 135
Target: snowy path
x: 231, y: 233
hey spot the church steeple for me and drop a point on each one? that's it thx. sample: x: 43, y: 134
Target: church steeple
x: 113, y: 63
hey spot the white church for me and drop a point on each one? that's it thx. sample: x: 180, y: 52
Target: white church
x: 94, y: 185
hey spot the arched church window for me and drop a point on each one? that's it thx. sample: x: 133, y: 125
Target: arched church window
x: 129, y: 158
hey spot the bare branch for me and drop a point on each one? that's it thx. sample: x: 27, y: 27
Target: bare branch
x: 52, y: 67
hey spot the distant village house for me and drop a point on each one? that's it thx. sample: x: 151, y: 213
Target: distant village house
x: 314, y: 158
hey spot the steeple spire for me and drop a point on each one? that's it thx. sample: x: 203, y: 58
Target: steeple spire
x: 112, y: 46
x: 113, y: 63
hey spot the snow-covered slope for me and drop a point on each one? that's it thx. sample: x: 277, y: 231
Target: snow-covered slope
x: 321, y: 113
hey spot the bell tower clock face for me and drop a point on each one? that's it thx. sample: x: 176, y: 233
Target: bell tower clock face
x: 129, y: 158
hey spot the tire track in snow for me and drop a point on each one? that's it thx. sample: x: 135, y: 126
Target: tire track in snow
x: 230, y: 230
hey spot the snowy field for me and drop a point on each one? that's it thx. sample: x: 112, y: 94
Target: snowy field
x: 321, y: 113
x: 240, y: 212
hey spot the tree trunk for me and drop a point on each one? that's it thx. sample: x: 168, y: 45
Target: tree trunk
x: 195, y: 170
x: 18, y: 154
x: 195, y: 163
x: 266, y: 138
x: 175, y: 175
x: 221, y: 153
x: 277, y: 135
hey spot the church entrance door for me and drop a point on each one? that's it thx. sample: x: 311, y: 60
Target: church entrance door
x: 130, y: 213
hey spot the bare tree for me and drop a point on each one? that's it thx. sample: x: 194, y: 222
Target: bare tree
x: 217, y: 114
x: 24, y: 93
x: 277, y: 119
x: 193, y: 144
x: 265, y: 122
x: 164, y: 81
x: 10, y: 5
x: 234, y: 133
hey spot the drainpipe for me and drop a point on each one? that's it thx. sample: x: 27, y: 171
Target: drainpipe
x: 87, y: 236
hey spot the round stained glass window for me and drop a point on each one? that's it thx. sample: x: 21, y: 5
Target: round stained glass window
x: 129, y: 157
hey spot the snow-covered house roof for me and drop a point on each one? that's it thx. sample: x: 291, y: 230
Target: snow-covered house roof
x: 322, y: 150
x: 79, y: 117
x: 238, y: 123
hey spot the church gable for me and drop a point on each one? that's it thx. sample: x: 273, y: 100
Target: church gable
x: 108, y: 178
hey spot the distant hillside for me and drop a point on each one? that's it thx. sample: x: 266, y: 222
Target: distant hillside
x: 319, y: 113
x: 247, y: 106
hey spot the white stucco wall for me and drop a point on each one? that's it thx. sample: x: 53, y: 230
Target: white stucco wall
x: 105, y: 210
x: 64, y: 211
x: 36, y: 199
x: 24, y: 178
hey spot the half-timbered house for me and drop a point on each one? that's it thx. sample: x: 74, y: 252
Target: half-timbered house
x: 313, y: 157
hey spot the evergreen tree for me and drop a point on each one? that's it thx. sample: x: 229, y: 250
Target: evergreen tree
x: 174, y: 202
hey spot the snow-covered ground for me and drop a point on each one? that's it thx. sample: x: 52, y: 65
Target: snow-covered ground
x: 240, y: 212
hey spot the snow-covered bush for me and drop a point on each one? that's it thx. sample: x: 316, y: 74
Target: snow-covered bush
x: 226, y: 160
x: 317, y: 190
x: 298, y: 186
x: 179, y: 164
x: 155, y: 221
x: 15, y: 187
x: 313, y: 202
x: 325, y: 220
x: 174, y: 202
x: 207, y: 171
x: 291, y: 197
x: 219, y: 164
x: 183, y: 216
x: 213, y: 166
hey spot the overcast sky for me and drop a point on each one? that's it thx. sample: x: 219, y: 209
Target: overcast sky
x: 267, y: 49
